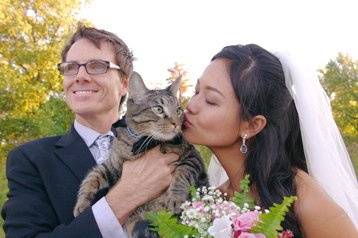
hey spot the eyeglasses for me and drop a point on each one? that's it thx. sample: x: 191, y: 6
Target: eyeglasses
x: 92, y: 67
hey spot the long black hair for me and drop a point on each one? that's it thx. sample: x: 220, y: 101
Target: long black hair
x: 276, y: 152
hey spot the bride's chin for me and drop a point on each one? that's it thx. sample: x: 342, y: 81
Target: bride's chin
x: 188, y: 136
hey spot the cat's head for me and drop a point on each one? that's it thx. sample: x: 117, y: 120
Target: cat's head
x: 155, y: 113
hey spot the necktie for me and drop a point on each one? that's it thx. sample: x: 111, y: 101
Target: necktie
x: 103, y: 143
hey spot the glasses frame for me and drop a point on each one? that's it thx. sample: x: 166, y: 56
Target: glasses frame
x: 109, y: 64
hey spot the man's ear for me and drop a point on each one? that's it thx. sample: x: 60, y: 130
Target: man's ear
x: 124, y: 87
x: 253, y: 126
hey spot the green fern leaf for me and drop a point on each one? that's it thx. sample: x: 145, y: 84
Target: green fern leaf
x: 192, y: 191
x: 242, y: 197
x: 270, y: 223
x: 167, y: 226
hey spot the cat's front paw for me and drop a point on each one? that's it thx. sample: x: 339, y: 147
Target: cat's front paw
x: 173, y: 204
x: 169, y: 148
x: 80, y: 207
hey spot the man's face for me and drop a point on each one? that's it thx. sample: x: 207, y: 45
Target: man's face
x: 93, y: 95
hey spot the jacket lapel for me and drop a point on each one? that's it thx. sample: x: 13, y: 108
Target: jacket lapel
x: 74, y: 153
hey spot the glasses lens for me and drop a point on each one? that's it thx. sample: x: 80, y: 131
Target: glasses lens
x: 96, y: 67
x: 68, y: 68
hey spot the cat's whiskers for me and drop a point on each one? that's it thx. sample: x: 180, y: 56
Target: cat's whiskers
x: 148, y: 143
x: 145, y: 143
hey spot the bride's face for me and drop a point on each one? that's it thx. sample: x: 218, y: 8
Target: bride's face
x: 212, y: 116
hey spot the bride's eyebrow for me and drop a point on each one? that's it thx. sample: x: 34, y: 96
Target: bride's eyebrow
x: 215, y: 90
x: 209, y: 88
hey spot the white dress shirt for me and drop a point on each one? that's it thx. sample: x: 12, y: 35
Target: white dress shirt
x: 107, y: 222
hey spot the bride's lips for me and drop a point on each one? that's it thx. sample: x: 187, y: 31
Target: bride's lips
x: 187, y: 123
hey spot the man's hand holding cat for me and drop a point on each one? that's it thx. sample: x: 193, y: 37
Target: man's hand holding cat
x: 142, y: 180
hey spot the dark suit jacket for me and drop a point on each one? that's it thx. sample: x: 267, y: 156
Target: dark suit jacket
x: 44, y: 177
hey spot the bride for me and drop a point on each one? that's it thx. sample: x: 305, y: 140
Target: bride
x: 263, y: 117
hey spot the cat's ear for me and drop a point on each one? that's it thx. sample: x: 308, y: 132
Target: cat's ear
x: 174, y: 87
x: 136, y: 87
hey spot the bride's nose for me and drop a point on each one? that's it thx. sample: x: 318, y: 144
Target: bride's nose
x: 192, y: 106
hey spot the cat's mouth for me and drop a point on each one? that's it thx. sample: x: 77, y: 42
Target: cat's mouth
x: 164, y: 137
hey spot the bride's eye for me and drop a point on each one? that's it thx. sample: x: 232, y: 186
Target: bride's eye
x: 210, y: 102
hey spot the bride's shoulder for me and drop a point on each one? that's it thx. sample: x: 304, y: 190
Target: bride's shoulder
x: 316, y: 211
x: 305, y: 184
x: 311, y: 196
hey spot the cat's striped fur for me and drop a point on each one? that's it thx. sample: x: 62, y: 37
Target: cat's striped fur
x: 157, y: 115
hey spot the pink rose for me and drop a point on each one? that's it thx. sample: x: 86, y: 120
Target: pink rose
x: 198, y: 205
x: 251, y: 235
x: 286, y: 234
x: 246, y: 221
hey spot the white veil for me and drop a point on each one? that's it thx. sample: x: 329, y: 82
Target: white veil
x: 327, y: 158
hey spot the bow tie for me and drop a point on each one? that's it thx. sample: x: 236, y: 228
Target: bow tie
x: 145, y: 143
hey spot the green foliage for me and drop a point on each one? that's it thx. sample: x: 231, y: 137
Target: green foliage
x: 242, y: 197
x: 53, y: 117
x: 205, y: 153
x: 270, y: 223
x: 32, y: 34
x: 340, y: 80
x: 167, y: 225
x: 352, y: 146
x: 192, y: 192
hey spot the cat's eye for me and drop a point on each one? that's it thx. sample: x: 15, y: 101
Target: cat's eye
x: 158, y: 109
x: 179, y: 111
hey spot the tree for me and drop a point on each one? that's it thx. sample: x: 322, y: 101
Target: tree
x: 32, y: 34
x: 340, y: 80
x: 176, y: 72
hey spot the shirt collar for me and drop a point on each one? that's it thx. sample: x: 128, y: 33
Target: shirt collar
x: 87, y: 134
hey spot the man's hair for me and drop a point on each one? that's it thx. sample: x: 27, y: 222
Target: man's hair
x: 123, y: 56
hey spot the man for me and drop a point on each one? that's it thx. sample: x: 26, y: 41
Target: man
x: 44, y: 175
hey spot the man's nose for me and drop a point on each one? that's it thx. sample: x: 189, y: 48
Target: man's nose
x: 82, y: 74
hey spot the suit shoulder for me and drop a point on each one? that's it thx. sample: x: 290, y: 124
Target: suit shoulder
x: 36, y: 146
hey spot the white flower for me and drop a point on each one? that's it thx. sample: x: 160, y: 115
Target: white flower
x: 221, y: 228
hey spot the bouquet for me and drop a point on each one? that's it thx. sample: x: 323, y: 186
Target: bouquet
x: 210, y: 214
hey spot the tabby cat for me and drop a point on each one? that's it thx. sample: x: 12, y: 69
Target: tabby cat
x: 153, y: 117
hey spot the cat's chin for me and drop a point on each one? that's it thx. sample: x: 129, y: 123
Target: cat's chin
x: 166, y: 137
